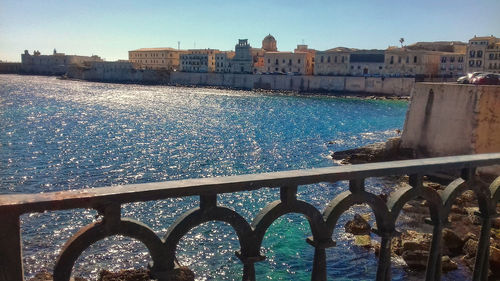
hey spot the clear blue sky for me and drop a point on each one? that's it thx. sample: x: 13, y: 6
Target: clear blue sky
x: 110, y: 28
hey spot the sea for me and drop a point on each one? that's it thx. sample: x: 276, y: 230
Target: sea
x: 60, y: 135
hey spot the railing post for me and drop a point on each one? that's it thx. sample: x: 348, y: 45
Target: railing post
x: 11, y: 262
x: 433, y: 271
x: 481, y: 264
x: 319, y: 265
x: 384, y: 259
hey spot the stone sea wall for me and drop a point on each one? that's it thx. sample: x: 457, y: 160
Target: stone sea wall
x: 373, y: 85
x: 369, y: 85
x: 452, y: 119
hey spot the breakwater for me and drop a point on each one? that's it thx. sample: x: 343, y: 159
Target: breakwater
x: 391, y: 86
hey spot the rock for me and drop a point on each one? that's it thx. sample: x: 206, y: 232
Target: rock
x: 495, y: 223
x: 125, y: 275
x: 42, y: 276
x: 470, y: 248
x: 457, y: 209
x: 471, y: 213
x: 416, y: 259
x: 182, y: 273
x: 447, y: 264
x: 363, y: 241
x: 433, y: 185
x: 495, y: 261
x: 358, y: 226
x: 376, y: 152
x: 453, y: 242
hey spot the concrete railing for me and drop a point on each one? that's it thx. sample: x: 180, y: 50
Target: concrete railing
x: 108, y: 200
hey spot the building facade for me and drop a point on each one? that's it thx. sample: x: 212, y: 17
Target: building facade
x: 411, y: 63
x: 366, y: 62
x: 332, y: 62
x: 55, y: 64
x: 223, y: 61
x: 452, y: 65
x: 198, y: 60
x: 242, y: 61
x: 492, y: 58
x: 299, y: 63
x: 156, y: 58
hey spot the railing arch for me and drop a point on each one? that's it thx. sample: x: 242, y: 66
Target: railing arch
x: 108, y: 200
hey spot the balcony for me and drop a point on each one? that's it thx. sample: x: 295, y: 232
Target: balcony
x: 108, y: 200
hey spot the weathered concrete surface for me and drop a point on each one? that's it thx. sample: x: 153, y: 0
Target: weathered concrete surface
x: 376, y: 85
x: 452, y: 119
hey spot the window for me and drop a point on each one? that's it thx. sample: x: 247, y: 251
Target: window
x: 298, y: 61
x: 471, y: 62
x: 268, y: 60
x: 335, y: 59
x: 277, y: 62
x: 342, y: 59
x: 399, y: 59
x: 443, y: 59
x: 479, y: 54
x: 283, y: 60
x: 472, y: 53
x: 415, y: 59
x: 290, y: 62
x: 452, y: 59
x: 407, y: 59
x: 460, y: 59
x: 478, y: 63
x: 328, y: 58
x: 321, y: 59
x: 392, y: 60
x: 492, y: 56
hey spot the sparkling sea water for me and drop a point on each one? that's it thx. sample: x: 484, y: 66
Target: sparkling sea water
x: 60, y: 135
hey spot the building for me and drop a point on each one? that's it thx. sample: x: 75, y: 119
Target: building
x: 366, y: 62
x: 333, y: 62
x: 412, y: 63
x: 156, y: 58
x: 242, y: 61
x: 223, y: 61
x: 198, y: 60
x: 299, y: 63
x: 55, y: 64
x: 452, y: 65
x: 483, y: 54
x: 492, y: 58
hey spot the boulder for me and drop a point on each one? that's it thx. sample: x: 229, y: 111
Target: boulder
x: 471, y: 213
x: 453, y: 242
x: 363, y: 241
x: 358, y: 226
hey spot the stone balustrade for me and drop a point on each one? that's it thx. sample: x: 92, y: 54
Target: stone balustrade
x: 108, y: 200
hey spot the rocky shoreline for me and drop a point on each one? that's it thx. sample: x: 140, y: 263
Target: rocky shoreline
x: 460, y: 237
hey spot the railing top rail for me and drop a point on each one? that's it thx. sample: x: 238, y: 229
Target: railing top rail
x: 96, y: 197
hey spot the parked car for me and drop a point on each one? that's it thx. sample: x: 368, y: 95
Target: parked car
x: 468, y: 78
x: 486, y: 79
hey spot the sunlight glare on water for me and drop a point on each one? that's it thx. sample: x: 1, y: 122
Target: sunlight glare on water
x: 60, y: 135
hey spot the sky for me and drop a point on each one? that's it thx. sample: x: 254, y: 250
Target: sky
x: 110, y: 28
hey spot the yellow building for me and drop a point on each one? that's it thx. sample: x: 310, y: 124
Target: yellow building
x: 408, y: 62
x: 156, y: 58
x: 476, y: 53
x: 299, y: 63
x: 332, y: 62
x: 492, y: 58
x: 198, y: 60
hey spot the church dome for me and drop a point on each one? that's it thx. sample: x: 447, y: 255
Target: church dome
x: 269, y: 43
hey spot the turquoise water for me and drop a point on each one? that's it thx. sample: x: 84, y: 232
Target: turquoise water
x: 59, y: 135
